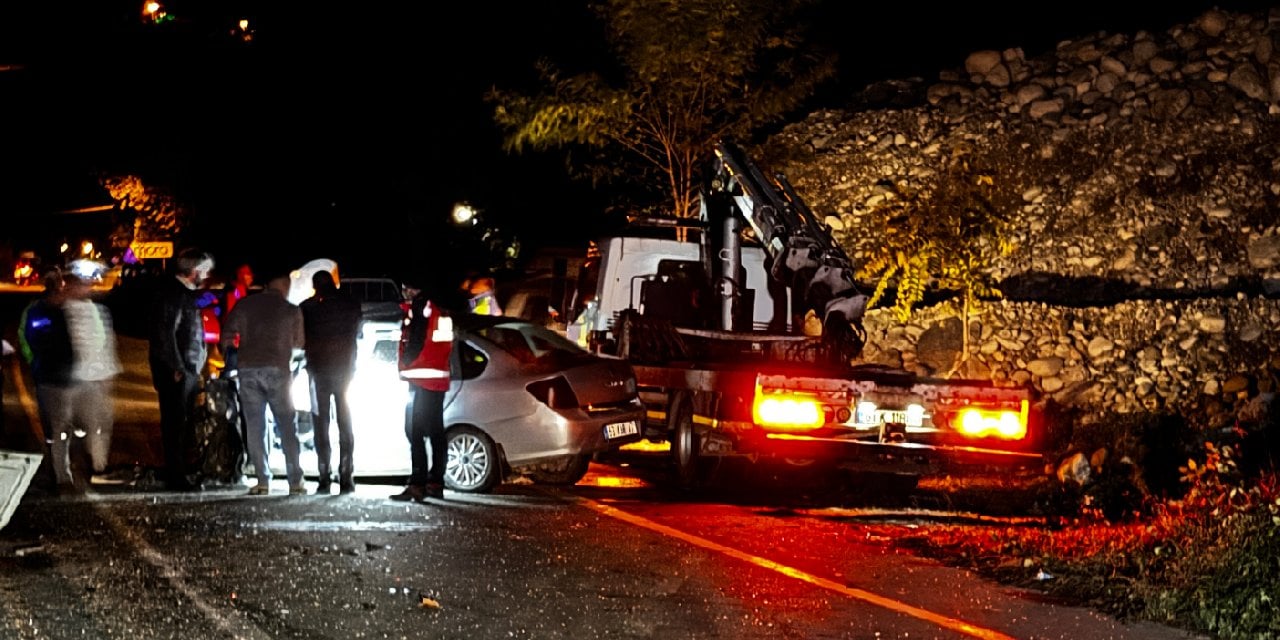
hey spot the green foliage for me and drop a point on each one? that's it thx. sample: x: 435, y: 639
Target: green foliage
x: 943, y: 235
x: 1224, y: 573
x: 688, y: 72
x: 158, y: 215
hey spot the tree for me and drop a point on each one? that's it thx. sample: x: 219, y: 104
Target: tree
x: 158, y: 216
x: 943, y: 236
x: 688, y: 73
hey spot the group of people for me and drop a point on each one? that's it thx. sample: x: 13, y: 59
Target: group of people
x: 68, y: 340
x: 262, y: 336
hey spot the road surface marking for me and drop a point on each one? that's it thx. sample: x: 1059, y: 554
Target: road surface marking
x: 231, y: 621
x: 234, y: 624
x: 896, y: 606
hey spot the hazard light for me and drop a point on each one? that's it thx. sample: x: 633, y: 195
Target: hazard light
x: 1006, y: 424
x: 790, y: 411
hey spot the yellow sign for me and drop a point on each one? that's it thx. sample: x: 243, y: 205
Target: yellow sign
x: 150, y: 250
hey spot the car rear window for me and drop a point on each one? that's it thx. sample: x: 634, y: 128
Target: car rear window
x: 531, y: 343
x: 373, y: 290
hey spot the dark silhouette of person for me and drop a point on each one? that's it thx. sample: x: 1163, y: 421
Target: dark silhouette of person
x: 177, y: 355
x: 331, y: 322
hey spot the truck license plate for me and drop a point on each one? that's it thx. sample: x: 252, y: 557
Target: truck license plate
x: 892, y: 417
x: 619, y: 429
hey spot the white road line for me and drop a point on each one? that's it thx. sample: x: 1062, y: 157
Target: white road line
x: 232, y: 622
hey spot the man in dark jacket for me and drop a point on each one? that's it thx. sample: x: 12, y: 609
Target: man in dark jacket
x: 42, y: 321
x: 331, y: 319
x: 268, y: 329
x: 177, y: 355
x: 46, y: 345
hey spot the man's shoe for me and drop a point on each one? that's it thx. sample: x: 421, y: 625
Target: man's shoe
x: 324, y: 487
x: 347, y: 488
x: 297, y: 490
x: 259, y: 490
x: 434, y: 490
x: 413, y: 492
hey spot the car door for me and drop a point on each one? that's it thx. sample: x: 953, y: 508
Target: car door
x: 489, y: 393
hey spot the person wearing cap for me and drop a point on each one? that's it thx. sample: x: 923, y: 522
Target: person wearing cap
x: 87, y: 402
x: 426, y: 349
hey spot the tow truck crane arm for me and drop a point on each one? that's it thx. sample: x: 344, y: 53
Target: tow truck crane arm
x: 804, y: 255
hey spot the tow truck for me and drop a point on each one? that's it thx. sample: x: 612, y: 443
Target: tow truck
x: 746, y: 343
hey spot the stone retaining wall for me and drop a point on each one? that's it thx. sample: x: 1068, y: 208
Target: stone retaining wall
x: 1199, y: 358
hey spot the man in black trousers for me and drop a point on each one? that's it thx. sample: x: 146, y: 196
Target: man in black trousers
x: 177, y: 356
x: 331, y: 321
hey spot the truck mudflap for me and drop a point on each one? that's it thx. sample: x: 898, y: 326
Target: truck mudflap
x: 16, y: 471
x: 897, y: 457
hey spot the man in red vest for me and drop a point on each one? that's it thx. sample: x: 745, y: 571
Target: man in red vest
x: 426, y: 345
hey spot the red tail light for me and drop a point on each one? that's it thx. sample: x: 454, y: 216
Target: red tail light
x: 1005, y: 424
x: 787, y: 411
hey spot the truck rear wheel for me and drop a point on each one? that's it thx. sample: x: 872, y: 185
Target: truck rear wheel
x: 690, y: 466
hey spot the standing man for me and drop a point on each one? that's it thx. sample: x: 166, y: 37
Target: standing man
x: 483, y: 301
x: 240, y: 288
x: 331, y: 320
x: 426, y: 347
x: 39, y: 318
x: 88, y: 403
x: 269, y: 330
x: 177, y: 355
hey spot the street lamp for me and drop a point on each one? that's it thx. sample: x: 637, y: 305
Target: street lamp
x: 465, y: 215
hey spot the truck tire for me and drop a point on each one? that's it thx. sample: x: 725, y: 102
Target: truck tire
x: 690, y: 466
x: 565, y: 471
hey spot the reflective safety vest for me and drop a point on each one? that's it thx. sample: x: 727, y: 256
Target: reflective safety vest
x: 485, y: 304
x: 425, y: 346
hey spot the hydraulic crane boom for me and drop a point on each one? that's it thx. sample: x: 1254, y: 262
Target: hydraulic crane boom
x: 804, y: 255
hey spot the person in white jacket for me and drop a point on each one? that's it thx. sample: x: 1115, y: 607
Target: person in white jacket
x: 89, y: 406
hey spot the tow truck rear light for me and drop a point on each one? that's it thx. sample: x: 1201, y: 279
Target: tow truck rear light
x: 1006, y: 424
x: 788, y: 411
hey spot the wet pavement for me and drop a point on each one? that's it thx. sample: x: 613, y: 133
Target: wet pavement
x: 621, y: 554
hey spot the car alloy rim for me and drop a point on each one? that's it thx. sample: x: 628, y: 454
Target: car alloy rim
x: 468, y: 461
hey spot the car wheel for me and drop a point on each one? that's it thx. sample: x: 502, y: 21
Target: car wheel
x: 565, y: 470
x: 473, y: 465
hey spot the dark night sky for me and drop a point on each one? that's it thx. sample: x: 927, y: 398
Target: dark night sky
x: 346, y: 124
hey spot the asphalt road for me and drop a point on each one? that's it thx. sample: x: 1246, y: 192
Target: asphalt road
x: 618, y: 555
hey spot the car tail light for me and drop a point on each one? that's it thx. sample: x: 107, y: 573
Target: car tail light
x: 555, y: 393
x: 977, y: 422
x: 790, y: 411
